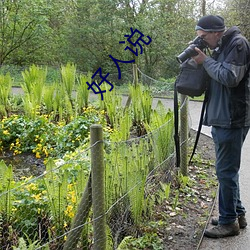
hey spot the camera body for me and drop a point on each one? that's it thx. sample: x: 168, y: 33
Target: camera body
x: 190, y: 51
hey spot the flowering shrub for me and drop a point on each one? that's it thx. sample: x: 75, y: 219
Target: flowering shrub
x: 43, y: 137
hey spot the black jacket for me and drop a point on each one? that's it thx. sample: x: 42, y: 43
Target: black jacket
x: 229, y: 90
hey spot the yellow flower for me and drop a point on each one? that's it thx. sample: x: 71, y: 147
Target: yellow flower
x: 14, y: 209
x: 69, y: 211
x: 73, y: 199
x: 37, y: 196
x: 6, y: 132
x: 31, y: 187
x: 38, y: 156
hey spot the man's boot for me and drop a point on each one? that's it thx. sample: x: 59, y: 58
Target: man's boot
x: 241, y: 219
x: 221, y: 230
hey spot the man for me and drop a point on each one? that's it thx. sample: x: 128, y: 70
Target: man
x: 228, y: 112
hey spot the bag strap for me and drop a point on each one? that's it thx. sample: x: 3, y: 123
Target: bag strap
x: 176, y: 126
x: 199, y: 127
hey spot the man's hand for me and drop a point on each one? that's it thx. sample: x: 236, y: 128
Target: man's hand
x: 200, y: 58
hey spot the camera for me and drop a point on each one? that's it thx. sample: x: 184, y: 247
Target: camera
x: 190, y: 51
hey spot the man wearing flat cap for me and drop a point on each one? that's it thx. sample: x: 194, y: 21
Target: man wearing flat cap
x: 228, y: 112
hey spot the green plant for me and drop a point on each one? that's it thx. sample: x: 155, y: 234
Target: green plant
x: 112, y: 106
x: 161, y: 126
x: 126, y: 173
x: 164, y: 191
x: 68, y: 74
x: 5, y: 90
x: 33, y: 85
x: 176, y: 199
x: 147, y: 241
x: 184, y: 181
x: 30, y: 207
x: 82, y: 94
x: 141, y: 104
x: 45, y: 138
x: 28, y: 245
x: 48, y: 98
x: 6, y: 184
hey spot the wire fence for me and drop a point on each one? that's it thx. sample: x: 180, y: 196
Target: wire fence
x: 42, y: 209
x: 56, y: 210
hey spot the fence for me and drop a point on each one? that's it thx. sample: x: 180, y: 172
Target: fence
x: 94, y: 202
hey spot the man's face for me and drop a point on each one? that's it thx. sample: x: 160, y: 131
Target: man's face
x: 211, y: 38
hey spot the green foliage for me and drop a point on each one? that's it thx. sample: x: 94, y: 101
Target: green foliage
x: 82, y: 98
x: 123, y: 124
x: 161, y: 126
x: 43, y: 32
x: 141, y: 104
x: 164, y: 191
x: 147, y: 241
x: 128, y: 161
x: 5, y: 90
x: 48, y: 98
x: 6, y: 184
x: 112, y: 105
x: 68, y: 73
x: 43, y: 137
x: 23, y: 25
x: 30, y: 206
x: 126, y: 172
x: 57, y: 188
x: 23, y: 245
x: 33, y: 85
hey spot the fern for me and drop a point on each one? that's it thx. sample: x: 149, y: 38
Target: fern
x: 56, y: 184
x: 68, y: 74
x: 82, y: 97
x: 33, y: 86
x: 6, y: 184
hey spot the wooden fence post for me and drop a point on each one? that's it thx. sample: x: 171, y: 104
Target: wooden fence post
x: 80, y: 218
x: 184, y: 135
x: 135, y: 74
x: 98, y: 194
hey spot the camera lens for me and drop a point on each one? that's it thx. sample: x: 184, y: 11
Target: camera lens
x: 187, y: 53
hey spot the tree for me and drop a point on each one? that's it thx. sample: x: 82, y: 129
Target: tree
x: 237, y: 12
x: 21, y: 21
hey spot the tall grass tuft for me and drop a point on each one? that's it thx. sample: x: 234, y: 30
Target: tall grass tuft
x: 141, y: 106
x: 112, y: 106
x: 6, y: 184
x: 5, y: 89
x: 48, y: 98
x: 68, y: 74
x: 82, y: 93
x: 33, y: 86
x: 161, y: 128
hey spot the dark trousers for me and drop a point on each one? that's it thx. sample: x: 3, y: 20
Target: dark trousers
x: 228, y: 145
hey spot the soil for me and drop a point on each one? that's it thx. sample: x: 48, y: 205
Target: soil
x: 25, y: 164
x: 186, y: 223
